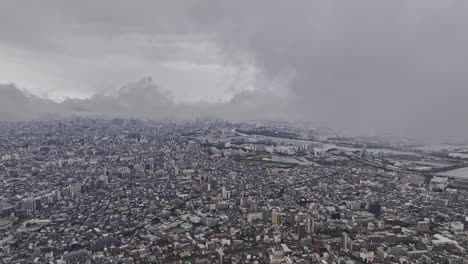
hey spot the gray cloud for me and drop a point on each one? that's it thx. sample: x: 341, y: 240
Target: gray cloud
x: 141, y: 99
x: 18, y: 105
x: 397, y: 66
x: 369, y: 66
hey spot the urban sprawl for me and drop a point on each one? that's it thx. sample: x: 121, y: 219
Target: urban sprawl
x: 127, y: 191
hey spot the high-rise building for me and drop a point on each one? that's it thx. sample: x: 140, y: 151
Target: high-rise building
x: 221, y: 254
x: 57, y: 195
x: 300, y: 217
x: 76, y: 256
x: 38, y: 203
x: 28, y: 204
x: 275, y: 218
x: 353, y: 205
x: 310, y: 225
x: 292, y: 217
x: 423, y: 226
x: 242, y: 202
x: 225, y: 194
x: 300, y: 230
x: 344, y: 241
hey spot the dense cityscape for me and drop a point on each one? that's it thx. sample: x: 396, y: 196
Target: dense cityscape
x: 234, y: 132
x: 127, y: 191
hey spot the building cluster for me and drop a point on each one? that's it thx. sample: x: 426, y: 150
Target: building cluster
x: 128, y: 191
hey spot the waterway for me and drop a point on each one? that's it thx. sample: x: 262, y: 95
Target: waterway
x: 373, y: 150
x: 287, y: 159
x: 457, y: 173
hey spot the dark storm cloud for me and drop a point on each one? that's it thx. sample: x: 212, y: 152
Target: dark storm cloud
x: 370, y: 66
x: 399, y: 66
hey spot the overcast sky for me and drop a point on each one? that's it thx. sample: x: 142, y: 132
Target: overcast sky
x: 395, y: 66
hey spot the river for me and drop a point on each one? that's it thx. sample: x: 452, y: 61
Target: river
x: 287, y: 159
x: 457, y: 173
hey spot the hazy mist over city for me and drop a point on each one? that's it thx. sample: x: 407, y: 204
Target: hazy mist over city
x: 393, y: 67
x: 234, y: 132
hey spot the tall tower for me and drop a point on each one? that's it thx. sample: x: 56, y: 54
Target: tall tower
x: 292, y: 217
x: 310, y: 225
x: 344, y: 241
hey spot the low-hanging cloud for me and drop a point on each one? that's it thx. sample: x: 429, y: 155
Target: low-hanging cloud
x: 142, y: 99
